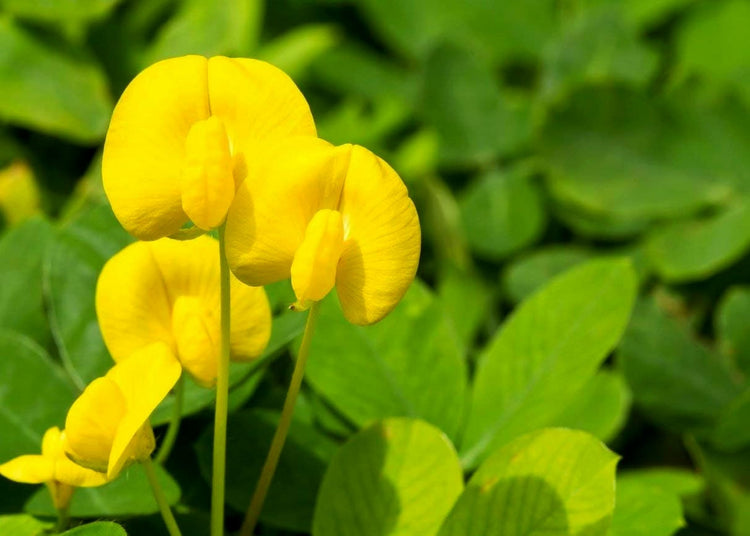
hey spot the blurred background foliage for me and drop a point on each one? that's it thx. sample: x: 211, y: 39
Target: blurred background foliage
x: 533, y: 135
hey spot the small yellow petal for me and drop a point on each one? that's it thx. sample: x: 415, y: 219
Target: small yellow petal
x: 382, y: 240
x: 29, y: 469
x: 268, y: 219
x: 207, y: 181
x: 52, y: 442
x: 198, y: 333
x: 144, y: 379
x: 250, y: 320
x: 72, y: 474
x: 144, y: 150
x: 314, y: 267
x: 92, y: 423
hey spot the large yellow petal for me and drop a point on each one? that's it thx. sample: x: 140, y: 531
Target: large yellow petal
x: 92, y: 423
x: 198, y: 333
x: 29, y: 469
x: 258, y: 103
x: 133, y: 303
x: 144, y: 380
x: 382, y: 241
x: 145, y: 146
x: 267, y: 221
x: 250, y: 321
x: 66, y: 472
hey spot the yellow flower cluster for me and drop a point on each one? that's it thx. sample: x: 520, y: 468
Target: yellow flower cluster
x: 195, y: 145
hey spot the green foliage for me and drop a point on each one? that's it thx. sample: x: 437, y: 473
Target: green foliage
x: 542, y: 142
x: 398, y: 476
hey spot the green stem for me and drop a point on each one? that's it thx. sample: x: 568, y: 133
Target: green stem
x: 272, y: 460
x: 222, y: 401
x: 174, y: 423
x: 63, y: 519
x: 161, y: 499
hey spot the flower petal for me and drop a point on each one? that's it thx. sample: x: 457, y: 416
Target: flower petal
x: 271, y: 210
x: 144, y: 380
x: 133, y: 302
x: 92, y: 422
x: 145, y: 146
x: 382, y: 242
x: 250, y: 319
x: 198, y: 333
x: 29, y: 469
x: 258, y: 103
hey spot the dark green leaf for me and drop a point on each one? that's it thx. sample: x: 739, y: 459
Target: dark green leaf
x: 731, y: 323
x: 645, y: 509
x: 59, y: 10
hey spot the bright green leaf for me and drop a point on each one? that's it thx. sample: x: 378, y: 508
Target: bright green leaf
x: 43, y: 88
x: 59, y: 10
x: 35, y: 395
x: 466, y: 299
x: 23, y: 525
x: 294, y: 51
x: 409, y: 364
x: 98, y: 528
x: 600, y: 407
x: 397, y: 477
x: 553, y: 482
x: 502, y: 213
x: 645, y: 509
x: 676, y: 380
x: 680, y: 482
x: 546, y: 351
x: 130, y: 494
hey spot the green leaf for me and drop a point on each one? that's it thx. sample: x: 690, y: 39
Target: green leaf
x: 730, y: 322
x: 732, y: 432
x: 243, y: 377
x: 712, y: 42
x: 353, y: 70
x: 680, y: 482
x: 475, y: 121
x: 613, y: 154
x: 59, y: 10
x: 546, y: 351
x: 22, y: 251
x: 23, y: 525
x: 295, y: 51
x: 72, y: 268
x: 209, y: 29
x: 598, y: 47
x: 645, y: 509
x: 303, y: 461
x: 467, y: 300
x: 502, y: 30
x: 502, y: 213
x: 129, y: 495
x: 409, y: 364
x: 399, y: 476
x: 694, y: 250
x: 99, y: 528
x: 528, y: 273
x: 35, y: 395
x: 600, y: 407
x: 676, y: 380
x: 71, y: 99
x: 550, y: 482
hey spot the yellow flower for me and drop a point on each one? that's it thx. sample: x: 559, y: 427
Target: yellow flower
x: 186, y: 132
x: 107, y: 427
x: 52, y: 468
x: 19, y: 193
x: 326, y: 216
x: 168, y: 291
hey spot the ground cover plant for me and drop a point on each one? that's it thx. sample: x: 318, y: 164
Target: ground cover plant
x: 548, y: 334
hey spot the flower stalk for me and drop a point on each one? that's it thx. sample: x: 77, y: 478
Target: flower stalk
x: 279, y: 438
x: 161, y: 499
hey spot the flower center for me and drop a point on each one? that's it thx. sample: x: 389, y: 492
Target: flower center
x: 316, y: 259
x: 207, y: 182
